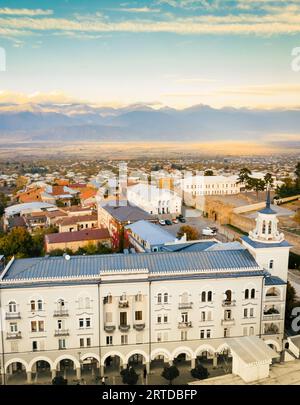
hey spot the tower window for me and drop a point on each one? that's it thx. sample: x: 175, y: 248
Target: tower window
x: 271, y: 264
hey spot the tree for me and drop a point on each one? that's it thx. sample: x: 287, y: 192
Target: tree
x: 256, y: 185
x: 3, y: 203
x: 21, y: 182
x: 191, y: 232
x: 199, y: 372
x: 170, y: 373
x: 129, y: 376
x: 18, y: 242
x: 244, y: 175
x: 269, y: 181
x: 290, y: 302
x: 297, y: 173
x: 59, y: 380
x: 208, y: 173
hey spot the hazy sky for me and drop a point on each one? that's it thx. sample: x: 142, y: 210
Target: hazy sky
x: 172, y: 52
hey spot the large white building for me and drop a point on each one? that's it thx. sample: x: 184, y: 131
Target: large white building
x: 100, y: 310
x: 154, y: 200
x: 209, y: 185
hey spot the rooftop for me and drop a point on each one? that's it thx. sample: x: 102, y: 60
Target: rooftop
x: 151, y: 233
x: 84, y: 235
x: 127, y: 213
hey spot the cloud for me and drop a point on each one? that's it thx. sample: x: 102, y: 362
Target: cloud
x: 25, y: 11
x: 57, y: 97
x: 137, y: 10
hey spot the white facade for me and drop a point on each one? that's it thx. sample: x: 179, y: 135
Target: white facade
x: 154, y: 200
x: 150, y: 305
x: 210, y: 185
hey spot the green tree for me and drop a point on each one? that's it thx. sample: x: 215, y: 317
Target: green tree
x: 208, y: 173
x: 199, y: 372
x: 18, y: 242
x: 3, y: 203
x: 244, y: 175
x: 191, y: 232
x: 129, y: 376
x: 170, y: 373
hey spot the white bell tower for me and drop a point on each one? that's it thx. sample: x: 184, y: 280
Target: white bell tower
x: 267, y: 244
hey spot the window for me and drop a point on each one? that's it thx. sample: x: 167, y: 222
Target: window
x: 208, y: 333
x: 123, y: 318
x: 88, y: 342
x: 245, y: 313
x: 40, y: 305
x: 159, y: 337
x: 61, y: 304
x: 13, y: 327
x: 139, y: 297
x: 247, y: 294
x: 34, y: 346
x: 209, y: 296
x: 124, y: 339
x: 183, y: 335
x: 227, y: 314
x: 61, y: 344
x: 37, y: 326
x: 271, y: 264
x: 81, y: 342
x: 270, y: 227
x: 138, y: 315
x: 159, y: 319
x: 264, y: 227
x: 12, y: 306
x: 165, y: 318
x: 226, y: 332
x: 88, y: 322
x: 159, y: 296
x: 251, y: 331
x: 202, y: 335
x: 166, y: 298
x: 228, y: 294
x: 33, y: 326
x: 32, y: 305
x: 203, y: 315
x: 109, y: 340
x: 184, y: 317
x: 59, y: 324
x: 253, y: 293
x: 203, y: 296
x: 251, y: 312
x: 81, y: 323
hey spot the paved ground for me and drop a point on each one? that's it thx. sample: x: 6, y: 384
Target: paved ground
x: 280, y: 374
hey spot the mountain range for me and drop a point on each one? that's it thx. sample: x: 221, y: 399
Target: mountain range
x: 141, y: 122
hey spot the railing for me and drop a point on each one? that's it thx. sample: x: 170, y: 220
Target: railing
x: 123, y: 304
x: 13, y: 335
x: 272, y: 317
x: 272, y: 298
x: 185, y: 305
x: 229, y: 321
x: 139, y: 326
x: 61, y: 332
x: 124, y: 328
x: 228, y: 303
x: 185, y: 324
x: 271, y: 332
x: 109, y: 328
x: 61, y: 312
x: 12, y: 315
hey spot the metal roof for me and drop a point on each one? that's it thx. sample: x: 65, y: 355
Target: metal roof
x: 263, y: 245
x: 151, y: 233
x: 274, y: 280
x: 197, y: 246
x: 154, y: 263
x: 127, y: 213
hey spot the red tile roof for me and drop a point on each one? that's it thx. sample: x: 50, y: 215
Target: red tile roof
x: 85, y: 235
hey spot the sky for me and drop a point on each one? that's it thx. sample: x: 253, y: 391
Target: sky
x: 178, y: 53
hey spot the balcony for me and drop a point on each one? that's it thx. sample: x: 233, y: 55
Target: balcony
x: 139, y: 326
x: 13, y: 335
x: 109, y: 328
x: 272, y: 317
x: 271, y: 331
x: 61, y: 312
x: 62, y: 332
x: 228, y: 303
x: 123, y: 304
x: 124, y: 328
x: 272, y: 297
x: 182, y: 325
x: 12, y: 315
x: 185, y: 305
x: 228, y: 322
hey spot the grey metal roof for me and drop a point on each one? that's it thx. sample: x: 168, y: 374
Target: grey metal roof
x: 151, y: 233
x: 262, y: 245
x: 188, y: 247
x: 155, y: 263
x: 127, y: 213
x: 227, y: 246
x: 274, y: 280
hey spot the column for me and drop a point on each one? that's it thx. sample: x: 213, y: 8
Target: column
x: 53, y: 374
x: 215, y: 360
x: 101, y: 370
x: 78, y: 373
x: 148, y: 367
x: 28, y: 377
x: 193, y: 363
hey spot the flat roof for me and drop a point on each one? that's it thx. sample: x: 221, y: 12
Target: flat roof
x: 77, y: 236
x: 153, y: 234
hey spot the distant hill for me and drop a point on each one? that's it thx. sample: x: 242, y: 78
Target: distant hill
x: 81, y: 122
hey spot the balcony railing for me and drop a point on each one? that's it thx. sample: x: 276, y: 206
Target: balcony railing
x: 13, y: 335
x: 187, y: 324
x: 109, y: 328
x: 272, y: 317
x: 185, y: 305
x: 12, y: 315
x: 61, y: 312
x: 123, y: 304
x: 228, y: 322
x: 274, y: 331
x: 228, y: 303
x: 139, y: 326
x: 272, y: 298
x: 61, y: 332
x: 124, y: 328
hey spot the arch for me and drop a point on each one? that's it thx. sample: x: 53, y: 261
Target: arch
x: 133, y: 352
x: 183, y: 349
x: 12, y: 306
x: 89, y: 355
x: 204, y: 348
x: 66, y: 357
x: 40, y: 358
x: 273, y: 292
x: 274, y: 343
x: 161, y: 352
x: 223, y: 346
x: 17, y: 360
x: 111, y: 354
